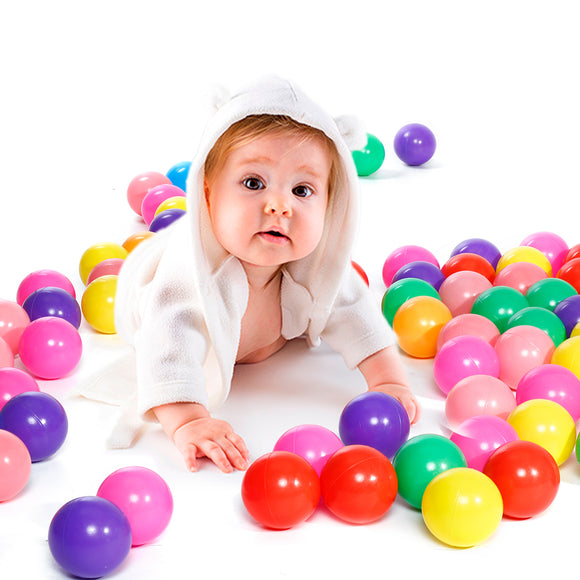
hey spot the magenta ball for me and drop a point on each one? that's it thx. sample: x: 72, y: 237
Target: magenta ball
x: 312, y: 442
x: 403, y: 256
x: 520, y: 276
x: 14, y: 381
x: 157, y: 195
x: 43, y: 279
x: 50, y: 348
x: 462, y: 357
x: 459, y: 291
x: 468, y: 324
x: 479, y: 436
x: 552, y: 382
x: 144, y: 497
x: 551, y: 245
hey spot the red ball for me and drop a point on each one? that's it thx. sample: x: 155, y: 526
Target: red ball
x: 471, y: 262
x: 358, y: 484
x: 280, y: 489
x: 526, y: 475
x: 570, y: 272
x: 573, y: 252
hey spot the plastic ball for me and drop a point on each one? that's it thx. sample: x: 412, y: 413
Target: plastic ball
x: 421, y: 459
x: 402, y: 256
x: 280, y: 490
x: 96, y: 254
x: 551, y: 245
x: 570, y: 272
x: 520, y: 276
x: 6, y: 355
x: 567, y: 354
x: 358, y: 484
x: 370, y: 158
x: 460, y: 290
x: 13, y: 321
x: 468, y: 325
x: 574, y: 252
x: 479, y: 436
x: 519, y: 350
x: 546, y: 423
x: 98, y: 304
x: 144, y: 498
x: 165, y: 219
x: 52, y: 301
x: 312, y: 442
x: 39, y: 420
x: 468, y: 262
x: 462, y: 357
x: 524, y: 254
x: 527, y: 477
x: 360, y: 271
x: 377, y: 420
x: 155, y: 196
x: 15, y: 465
x: 177, y: 202
x: 478, y: 395
x: 135, y: 239
x: 41, y: 279
x: 110, y: 267
x: 401, y: 291
x: 575, y: 331
x: 414, y: 144
x: 140, y: 185
x: 481, y: 247
x: 462, y: 507
x: 540, y: 318
x: 568, y: 311
x: 50, y: 348
x: 89, y: 537
x: 422, y: 271
x: 549, y: 293
x: 13, y: 382
x: 417, y: 325
x: 178, y: 173
x: 499, y: 304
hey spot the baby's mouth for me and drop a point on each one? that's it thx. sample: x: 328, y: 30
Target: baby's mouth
x: 274, y: 236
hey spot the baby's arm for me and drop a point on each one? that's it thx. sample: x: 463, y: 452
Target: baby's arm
x: 384, y: 372
x: 196, y: 434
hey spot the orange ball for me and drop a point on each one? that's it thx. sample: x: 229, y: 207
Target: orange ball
x: 135, y: 239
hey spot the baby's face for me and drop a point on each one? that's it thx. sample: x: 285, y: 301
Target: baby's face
x: 268, y: 202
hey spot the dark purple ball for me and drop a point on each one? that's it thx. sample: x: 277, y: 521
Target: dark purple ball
x: 480, y: 247
x: 415, y: 144
x: 52, y: 301
x: 568, y: 311
x: 165, y: 218
x: 422, y: 271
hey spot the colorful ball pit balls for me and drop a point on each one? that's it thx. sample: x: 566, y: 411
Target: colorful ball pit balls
x: 145, y: 499
x: 567, y: 354
x: 479, y: 246
x: 549, y: 293
x: 140, y: 185
x: 414, y: 144
x: 312, y: 442
x: 369, y: 159
x: 459, y: 291
x: 6, y: 355
x: 524, y: 254
x: 402, y: 290
x: 527, y: 477
x: 280, y: 490
x: 166, y: 219
x: 15, y: 465
x: 520, y: 276
x: 178, y: 173
x: 377, y: 420
x: 157, y: 195
x: 540, y: 318
x: 546, y: 423
x: 38, y: 420
x: 358, y: 484
x: 462, y: 357
x: 468, y: 325
x: 135, y: 239
x: 13, y: 321
x: 98, y: 304
x: 468, y: 262
x: 89, y: 537
x: 551, y: 245
x: 462, y: 507
x: 402, y: 256
x: 419, y: 460
x: 51, y: 301
x: 42, y: 279
x: 421, y: 271
x: 417, y: 325
x: 499, y: 304
x: 96, y: 254
x: 568, y: 311
x: 14, y: 381
x: 110, y: 267
x: 50, y: 348
x: 574, y: 252
x: 570, y: 272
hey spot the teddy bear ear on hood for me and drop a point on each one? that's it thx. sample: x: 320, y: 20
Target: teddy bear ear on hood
x: 352, y: 131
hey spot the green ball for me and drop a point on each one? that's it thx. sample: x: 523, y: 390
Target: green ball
x: 541, y: 318
x: 422, y: 458
x: 402, y: 290
x: 370, y: 158
x: 499, y: 304
x: 549, y: 292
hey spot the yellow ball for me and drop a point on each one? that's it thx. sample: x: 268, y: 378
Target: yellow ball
x: 177, y: 202
x: 417, y: 324
x: 568, y: 354
x: 98, y: 304
x: 575, y: 331
x: 96, y: 254
x: 462, y: 507
x: 525, y: 254
x: 546, y: 423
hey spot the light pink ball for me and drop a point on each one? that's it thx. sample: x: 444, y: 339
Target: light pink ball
x: 6, y: 354
x: 459, y: 291
x: 111, y: 266
x: 140, y: 185
x: 468, y: 324
x: 13, y: 320
x: 520, y: 276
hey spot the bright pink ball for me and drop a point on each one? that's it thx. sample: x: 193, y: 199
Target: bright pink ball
x: 403, y: 256
x: 43, y: 279
x: 468, y: 324
x: 459, y: 291
x: 13, y: 320
x: 520, y: 276
x: 13, y: 382
x: 155, y: 197
x: 551, y: 245
x: 140, y: 185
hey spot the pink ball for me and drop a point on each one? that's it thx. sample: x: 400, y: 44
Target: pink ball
x: 459, y: 291
x: 50, y: 347
x: 145, y: 499
x: 520, y: 276
x: 140, y: 185
x: 6, y: 354
x: 314, y: 443
x: 520, y: 349
x: 43, y: 279
x: 111, y: 266
x: 15, y: 465
x: 403, y: 256
x: 552, y: 382
x: 478, y: 395
x: 551, y: 245
x: 157, y: 195
x: 462, y: 357
x: 479, y: 436
x: 468, y: 324
x: 13, y: 320
x: 13, y: 382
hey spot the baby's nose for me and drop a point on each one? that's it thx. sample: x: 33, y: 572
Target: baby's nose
x: 278, y: 205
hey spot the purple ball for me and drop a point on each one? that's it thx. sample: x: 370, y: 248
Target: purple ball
x: 89, y: 537
x: 415, y: 144
x: 568, y: 311
x: 39, y: 420
x: 422, y: 271
x: 51, y: 301
x: 377, y: 420
x: 480, y: 247
x: 165, y: 218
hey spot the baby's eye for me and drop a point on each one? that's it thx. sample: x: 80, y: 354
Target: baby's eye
x: 253, y: 183
x: 302, y: 191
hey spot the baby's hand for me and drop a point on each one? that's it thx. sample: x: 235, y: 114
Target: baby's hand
x: 405, y: 396
x: 214, y: 439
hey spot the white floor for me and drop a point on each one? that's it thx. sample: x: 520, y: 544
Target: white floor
x: 92, y: 96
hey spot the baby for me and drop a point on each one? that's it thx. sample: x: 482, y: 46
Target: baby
x: 261, y: 257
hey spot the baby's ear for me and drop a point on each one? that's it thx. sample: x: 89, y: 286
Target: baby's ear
x: 352, y: 131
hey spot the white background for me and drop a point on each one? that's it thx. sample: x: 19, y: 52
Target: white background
x: 92, y: 94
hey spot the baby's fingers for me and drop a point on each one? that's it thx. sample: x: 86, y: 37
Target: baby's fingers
x: 189, y: 452
x: 215, y: 453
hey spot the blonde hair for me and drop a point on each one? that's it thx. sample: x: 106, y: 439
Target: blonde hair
x: 254, y: 126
